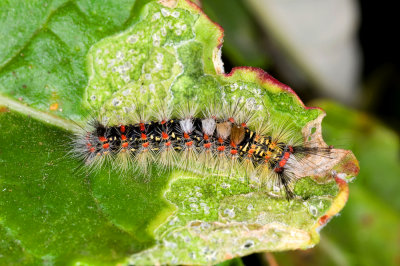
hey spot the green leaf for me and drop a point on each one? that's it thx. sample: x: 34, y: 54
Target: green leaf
x: 42, y: 62
x: 45, y: 205
x: 96, y: 57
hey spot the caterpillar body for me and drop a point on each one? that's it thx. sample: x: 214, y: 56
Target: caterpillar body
x: 212, y: 142
x: 164, y: 99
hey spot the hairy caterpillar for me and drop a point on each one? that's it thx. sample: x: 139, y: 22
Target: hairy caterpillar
x: 223, y: 140
x: 154, y: 87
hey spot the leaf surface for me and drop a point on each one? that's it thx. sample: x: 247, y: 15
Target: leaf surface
x: 87, y: 57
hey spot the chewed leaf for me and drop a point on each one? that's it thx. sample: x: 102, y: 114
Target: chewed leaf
x: 165, y: 58
x: 165, y: 69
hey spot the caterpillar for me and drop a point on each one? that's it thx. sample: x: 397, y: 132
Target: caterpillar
x: 164, y: 100
x: 223, y: 140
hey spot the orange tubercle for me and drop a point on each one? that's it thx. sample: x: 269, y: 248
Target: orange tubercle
x: 272, y: 145
x: 102, y: 139
x: 286, y: 155
x: 221, y: 148
x: 146, y: 144
x: 190, y: 143
x: 164, y: 135
x: 278, y: 169
x: 142, y: 128
x: 122, y: 128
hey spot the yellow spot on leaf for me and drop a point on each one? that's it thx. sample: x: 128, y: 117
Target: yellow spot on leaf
x: 53, y: 106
